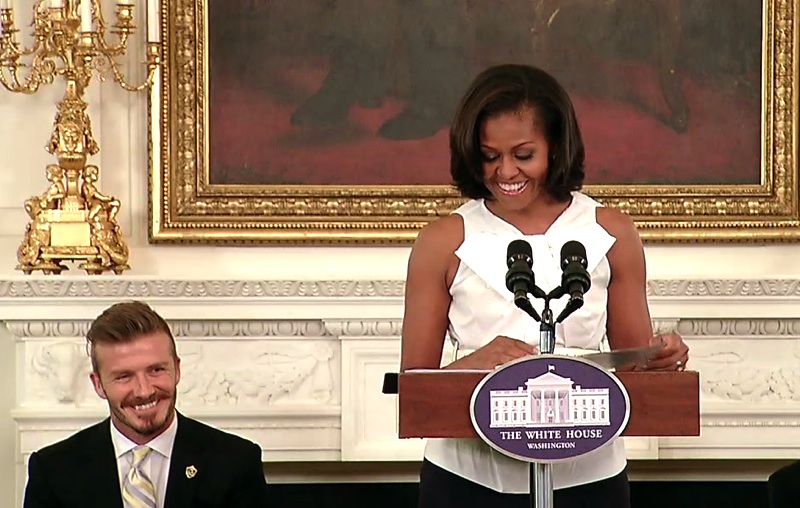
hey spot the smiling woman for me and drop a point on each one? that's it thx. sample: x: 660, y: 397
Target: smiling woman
x: 517, y: 154
x: 515, y: 163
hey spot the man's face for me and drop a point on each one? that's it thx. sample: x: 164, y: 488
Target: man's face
x: 139, y: 380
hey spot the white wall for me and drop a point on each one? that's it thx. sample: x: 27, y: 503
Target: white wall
x: 119, y: 126
x: 8, y: 443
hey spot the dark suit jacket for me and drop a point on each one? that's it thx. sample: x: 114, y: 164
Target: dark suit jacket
x: 783, y: 487
x: 81, y: 471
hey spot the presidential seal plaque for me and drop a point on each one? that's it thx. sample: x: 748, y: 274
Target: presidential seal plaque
x: 549, y: 408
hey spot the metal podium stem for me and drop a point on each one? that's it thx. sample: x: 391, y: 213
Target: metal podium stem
x: 541, y: 485
x: 547, y: 332
x: 547, y: 341
x: 541, y: 475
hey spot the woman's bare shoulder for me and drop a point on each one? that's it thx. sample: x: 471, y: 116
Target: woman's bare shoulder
x: 618, y: 224
x: 443, y: 234
x: 627, y: 251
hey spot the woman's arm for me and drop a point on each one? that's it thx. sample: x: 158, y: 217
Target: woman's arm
x: 431, y: 268
x: 629, y: 323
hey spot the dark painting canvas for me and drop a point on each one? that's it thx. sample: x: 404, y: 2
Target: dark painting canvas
x: 361, y: 92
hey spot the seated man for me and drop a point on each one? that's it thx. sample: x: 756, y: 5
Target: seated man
x: 147, y: 454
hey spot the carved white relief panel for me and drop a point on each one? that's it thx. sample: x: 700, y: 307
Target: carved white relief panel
x: 745, y: 362
x: 258, y: 372
x: 223, y: 363
x: 733, y: 371
x: 56, y: 373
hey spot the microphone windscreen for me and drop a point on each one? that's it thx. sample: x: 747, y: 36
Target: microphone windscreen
x: 517, y: 249
x: 572, y: 250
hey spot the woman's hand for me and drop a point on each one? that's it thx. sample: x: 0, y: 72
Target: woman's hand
x: 500, y: 350
x: 673, y: 356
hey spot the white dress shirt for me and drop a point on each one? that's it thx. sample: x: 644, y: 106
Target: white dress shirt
x: 156, y: 465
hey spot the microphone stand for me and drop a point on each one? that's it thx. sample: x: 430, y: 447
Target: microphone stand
x: 540, y: 475
x: 547, y: 329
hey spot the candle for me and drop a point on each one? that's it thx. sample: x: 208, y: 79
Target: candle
x: 153, y: 21
x: 5, y: 4
x: 86, y: 15
x: 57, y: 4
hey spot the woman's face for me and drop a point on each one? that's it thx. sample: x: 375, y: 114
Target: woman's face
x: 515, y: 158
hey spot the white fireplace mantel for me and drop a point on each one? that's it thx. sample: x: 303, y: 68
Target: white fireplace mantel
x: 297, y: 365
x: 83, y: 296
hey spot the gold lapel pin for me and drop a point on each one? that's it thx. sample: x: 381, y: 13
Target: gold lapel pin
x: 190, y: 472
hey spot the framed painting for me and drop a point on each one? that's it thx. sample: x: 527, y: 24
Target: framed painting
x: 326, y: 121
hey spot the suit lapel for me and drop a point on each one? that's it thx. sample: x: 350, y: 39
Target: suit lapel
x: 102, y: 480
x: 186, y: 467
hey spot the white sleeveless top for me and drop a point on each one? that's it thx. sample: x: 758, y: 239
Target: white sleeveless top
x: 483, y: 308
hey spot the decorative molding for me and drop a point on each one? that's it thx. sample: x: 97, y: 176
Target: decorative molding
x: 731, y: 423
x: 732, y: 372
x: 743, y: 328
x: 701, y: 328
x: 119, y: 287
x: 72, y: 419
x: 181, y: 328
x: 752, y: 384
x: 369, y: 417
x: 665, y: 325
x: 363, y: 328
x: 61, y: 372
x: 254, y: 374
x: 295, y: 364
x: 254, y: 328
x: 270, y: 372
x: 223, y: 328
x: 727, y: 288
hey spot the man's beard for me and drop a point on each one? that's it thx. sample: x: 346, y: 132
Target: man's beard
x: 142, y: 426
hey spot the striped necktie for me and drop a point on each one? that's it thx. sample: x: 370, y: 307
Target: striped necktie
x: 137, y: 489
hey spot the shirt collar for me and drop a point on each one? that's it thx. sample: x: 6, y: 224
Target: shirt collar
x: 161, y: 443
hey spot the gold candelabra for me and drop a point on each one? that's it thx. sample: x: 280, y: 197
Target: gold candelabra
x: 72, y: 220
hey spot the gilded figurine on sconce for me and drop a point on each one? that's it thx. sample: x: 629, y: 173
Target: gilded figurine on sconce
x: 72, y: 221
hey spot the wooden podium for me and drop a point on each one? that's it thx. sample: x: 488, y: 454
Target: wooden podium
x: 436, y: 403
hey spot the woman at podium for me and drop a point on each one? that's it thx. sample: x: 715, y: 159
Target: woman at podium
x: 517, y: 154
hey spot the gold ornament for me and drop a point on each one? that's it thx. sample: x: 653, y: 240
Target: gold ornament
x: 72, y: 220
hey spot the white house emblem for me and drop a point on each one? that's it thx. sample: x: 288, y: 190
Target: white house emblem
x: 549, y: 408
x: 549, y: 400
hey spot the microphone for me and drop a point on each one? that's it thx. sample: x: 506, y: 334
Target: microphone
x: 574, y: 279
x: 519, y: 278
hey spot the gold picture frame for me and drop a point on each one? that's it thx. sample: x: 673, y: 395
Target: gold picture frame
x: 185, y: 207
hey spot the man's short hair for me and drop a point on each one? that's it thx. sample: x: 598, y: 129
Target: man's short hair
x: 124, y: 322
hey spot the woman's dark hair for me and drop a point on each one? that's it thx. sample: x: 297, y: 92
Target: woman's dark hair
x: 508, y: 88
